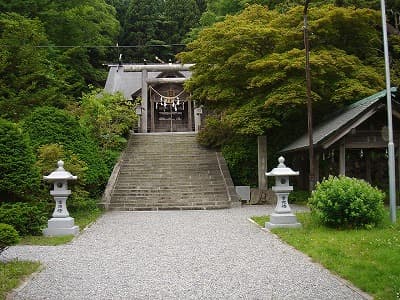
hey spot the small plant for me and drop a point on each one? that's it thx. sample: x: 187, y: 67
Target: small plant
x: 8, y: 236
x: 344, y: 202
x: 299, y: 197
x: 26, y: 218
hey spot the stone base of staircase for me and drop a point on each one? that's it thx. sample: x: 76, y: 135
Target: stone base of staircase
x: 169, y: 171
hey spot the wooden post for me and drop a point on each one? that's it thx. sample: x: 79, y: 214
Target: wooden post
x: 144, y: 101
x: 309, y: 100
x: 262, y: 162
x: 316, y: 167
x: 189, y: 108
x: 368, y: 174
x: 342, y: 159
x: 152, y: 116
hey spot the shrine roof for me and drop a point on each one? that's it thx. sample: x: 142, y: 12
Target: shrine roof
x: 339, y: 123
x: 129, y: 83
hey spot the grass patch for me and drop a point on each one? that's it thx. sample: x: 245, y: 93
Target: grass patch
x: 367, y: 258
x: 11, y: 274
x: 45, y: 240
x: 261, y: 220
x: 82, y: 219
x: 85, y: 218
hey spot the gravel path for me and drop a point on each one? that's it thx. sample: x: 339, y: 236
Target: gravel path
x: 177, y: 255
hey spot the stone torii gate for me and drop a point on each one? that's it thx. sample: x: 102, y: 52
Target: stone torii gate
x: 146, y: 81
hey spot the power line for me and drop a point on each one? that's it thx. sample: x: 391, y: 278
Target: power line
x: 101, y: 46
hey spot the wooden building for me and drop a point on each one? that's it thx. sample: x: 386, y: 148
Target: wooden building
x: 164, y: 106
x: 351, y: 142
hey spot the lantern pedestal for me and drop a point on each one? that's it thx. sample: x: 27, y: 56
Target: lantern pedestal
x: 282, y: 221
x: 60, y: 227
x: 61, y: 223
x: 282, y: 216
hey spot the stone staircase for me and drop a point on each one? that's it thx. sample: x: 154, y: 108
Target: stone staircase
x: 169, y: 171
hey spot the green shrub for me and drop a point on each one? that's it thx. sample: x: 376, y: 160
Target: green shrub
x: 18, y: 176
x: 47, y: 125
x: 108, y: 117
x: 49, y: 155
x: 299, y: 196
x: 26, y: 218
x: 215, y: 133
x: 80, y: 201
x: 345, y: 202
x: 110, y: 158
x: 8, y: 236
x: 241, y: 157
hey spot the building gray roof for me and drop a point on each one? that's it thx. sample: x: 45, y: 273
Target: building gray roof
x: 129, y: 83
x: 338, y: 122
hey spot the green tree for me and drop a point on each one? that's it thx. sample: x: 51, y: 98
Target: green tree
x: 252, y: 65
x: 201, y: 5
x: 182, y: 15
x: 121, y: 7
x: 28, y: 76
x: 142, y: 21
x: 19, y: 178
x: 63, y: 24
x: 225, y: 7
x: 250, y: 68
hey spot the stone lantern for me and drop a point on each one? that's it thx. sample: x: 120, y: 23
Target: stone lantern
x: 61, y: 223
x: 282, y: 216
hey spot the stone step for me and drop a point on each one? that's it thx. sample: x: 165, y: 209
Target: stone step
x: 169, y: 206
x: 165, y: 199
x: 170, y: 190
x: 168, y: 172
x: 173, y: 197
x: 169, y: 180
x: 172, y: 168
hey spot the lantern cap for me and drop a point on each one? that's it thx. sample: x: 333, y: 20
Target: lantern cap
x: 282, y: 170
x: 60, y: 173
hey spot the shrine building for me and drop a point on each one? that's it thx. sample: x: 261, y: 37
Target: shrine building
x: 164, y: 105
x: 352, y: 142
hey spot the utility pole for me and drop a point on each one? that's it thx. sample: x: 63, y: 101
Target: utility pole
x: 391, y: 152
x: 309, y: 99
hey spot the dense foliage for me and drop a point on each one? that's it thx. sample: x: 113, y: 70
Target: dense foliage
x: 250, y: 69
x: 28, y: 75
x: 251, y: 66
x: 47, y: 125
x: 8, y: 236
x: 73, y: 56
x: 345, y: 202
x: 26, y: 218
x: 108, y: 118
x: 156, y: 27
x: 241, y: 157
x: 19, y: 178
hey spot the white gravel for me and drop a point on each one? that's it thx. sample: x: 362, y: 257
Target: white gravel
x: 215, y: 254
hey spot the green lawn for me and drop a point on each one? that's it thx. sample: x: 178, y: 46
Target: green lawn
x: 12, y: 273
x: 370, y: 259
x: 82, y: 219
